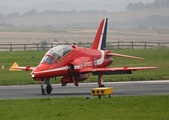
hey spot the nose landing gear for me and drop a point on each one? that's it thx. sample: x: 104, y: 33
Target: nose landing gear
x: 46, y: 86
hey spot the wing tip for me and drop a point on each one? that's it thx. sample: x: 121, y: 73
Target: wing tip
x: 14, y: 67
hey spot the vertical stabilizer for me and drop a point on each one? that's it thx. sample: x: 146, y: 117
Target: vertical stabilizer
x: 100, y: 38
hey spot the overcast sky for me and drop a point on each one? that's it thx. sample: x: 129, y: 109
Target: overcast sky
x: 21, y: 3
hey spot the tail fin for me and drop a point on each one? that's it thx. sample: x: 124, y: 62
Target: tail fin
x: 100, y: 38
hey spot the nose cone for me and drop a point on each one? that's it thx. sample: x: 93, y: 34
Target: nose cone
x: 40, y: 71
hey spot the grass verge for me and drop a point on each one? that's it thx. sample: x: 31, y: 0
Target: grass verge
x: 117, y: 107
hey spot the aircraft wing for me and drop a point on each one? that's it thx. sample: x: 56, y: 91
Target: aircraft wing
x: 16, y: 67
x: 120, y: 70
x: 28, y: 68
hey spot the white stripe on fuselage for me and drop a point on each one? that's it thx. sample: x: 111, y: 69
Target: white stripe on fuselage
x: 52, y: 70
x: 99, y: 62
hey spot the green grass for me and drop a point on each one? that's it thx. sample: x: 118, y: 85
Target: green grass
x: 115, y: 108
x: 153, y: 57
x: 23, y: 58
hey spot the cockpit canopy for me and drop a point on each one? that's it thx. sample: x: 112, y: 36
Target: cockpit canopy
x: 56, y: 53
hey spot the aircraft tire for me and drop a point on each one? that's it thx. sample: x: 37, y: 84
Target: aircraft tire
x: 101, y: 85
x: 49, y: 89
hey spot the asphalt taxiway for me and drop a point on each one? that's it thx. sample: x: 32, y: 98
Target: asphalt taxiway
x: 160, y: 87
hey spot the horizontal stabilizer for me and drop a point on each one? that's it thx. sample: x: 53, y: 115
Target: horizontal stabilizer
x: 126, y: 56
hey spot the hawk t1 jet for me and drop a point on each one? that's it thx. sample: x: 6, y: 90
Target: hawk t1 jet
x: 75, y: 63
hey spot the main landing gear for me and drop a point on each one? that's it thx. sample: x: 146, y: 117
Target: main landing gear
x: 100, y: 80
x: 46, y: 86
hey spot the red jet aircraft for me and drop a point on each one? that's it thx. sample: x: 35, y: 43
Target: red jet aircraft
x: 75, y: 63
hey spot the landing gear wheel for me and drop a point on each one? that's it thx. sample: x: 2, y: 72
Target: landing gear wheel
x: 101, y: 85
x: 49, y: 89
x: 46, y: 87
x: 43, y: 91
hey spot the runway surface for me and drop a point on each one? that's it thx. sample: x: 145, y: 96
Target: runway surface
x: 120, y: 89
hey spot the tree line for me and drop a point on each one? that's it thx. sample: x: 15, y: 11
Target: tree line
x: 154, y: 21
x: 154, y: 5
x: 34, y: 12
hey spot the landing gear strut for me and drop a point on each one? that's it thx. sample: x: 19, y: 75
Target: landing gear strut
x: 100, y: 80
x: 46, y: 86
x: 43, y: 90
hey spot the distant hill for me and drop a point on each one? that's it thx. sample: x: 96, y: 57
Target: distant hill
x: 89, y: 19
x: 62, y: 14
x: 4, y: 9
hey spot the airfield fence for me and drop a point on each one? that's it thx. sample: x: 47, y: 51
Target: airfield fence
x: 110, y: 45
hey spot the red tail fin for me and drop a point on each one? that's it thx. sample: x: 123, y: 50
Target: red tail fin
x: 100, y: 38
